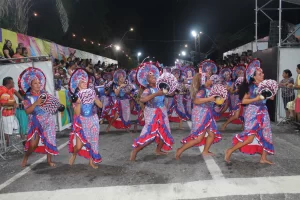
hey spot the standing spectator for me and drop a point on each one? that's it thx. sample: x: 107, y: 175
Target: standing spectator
x: 18, y: 54
x: 287, y: 94
x: 297, y: 86
x: 9, y: 105
x: 7, y: 50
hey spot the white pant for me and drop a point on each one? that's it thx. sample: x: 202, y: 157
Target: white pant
x: 10, y: 124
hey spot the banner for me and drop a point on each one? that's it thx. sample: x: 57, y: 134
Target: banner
x: 65, y: 118
x: 39, y: 47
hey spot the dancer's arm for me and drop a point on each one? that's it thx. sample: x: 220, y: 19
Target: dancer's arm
x: 144, y: 99
x: 98, y: 103
x: 30, y: 109
x: 204, y: 100
x: 117, y: 91
x: 248, y: 100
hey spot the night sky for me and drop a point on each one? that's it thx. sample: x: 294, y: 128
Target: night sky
x: 161, y: 27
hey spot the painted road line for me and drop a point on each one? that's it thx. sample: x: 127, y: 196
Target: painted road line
x: 191, y: 190
x: 27, y: 169
x: 212, y: 166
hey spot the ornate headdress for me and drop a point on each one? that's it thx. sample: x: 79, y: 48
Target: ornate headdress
x: 176, y: 70
x: 143, y: 71
x: 225, y: 71
x: 237, y: 70
x: 117, y: 74
x: 251, y: 68
x: 77, y: 76
x: 28, y: 75
x: 107, y: 75
x: 208, y: 65
x: 188, y: 68
x: 132, y: 76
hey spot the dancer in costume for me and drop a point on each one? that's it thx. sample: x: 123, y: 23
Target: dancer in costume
x: 178, y: 114
x: 202, y: 117
x: 40, y: 106
x: 169, y: 100
x: 209, y: 67
x: 84, y: 139
x: 225, y: 74
x: 257, y: 134
x: 236, y: 106
x: 109, y: 97
x: 189, y: 73
x: 120, y: 114
x: 157, y: 126
x: 134, y: 104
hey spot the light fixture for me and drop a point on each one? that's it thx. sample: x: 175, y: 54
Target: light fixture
x: 92, y: 42
x: 139, y: 54
x: 73, y: 35
x: 118, y: 47
x: 99, y: 44
x: 186, y: 46
x: 35, y: 14
x: 194, y: 34
x: 200, y: 32
x: 183, y: 53
x: 131, y: 29
x: 179, y: 54
x: 84, y: 39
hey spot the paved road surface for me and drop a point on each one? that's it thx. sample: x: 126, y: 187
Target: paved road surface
x: 157, y: 177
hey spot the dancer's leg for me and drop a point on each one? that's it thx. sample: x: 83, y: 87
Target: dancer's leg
x: 237, y: 146
x: 135, y: 151
x: 32, y: 146
x: 264, y: 159
x: 188, y: 145
x: 233, y: 117
x: 77, y: 148
x: 158, y: 150
x: 209, y: 140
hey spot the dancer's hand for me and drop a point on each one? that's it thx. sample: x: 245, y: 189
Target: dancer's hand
x: 212, y: 98
x: 160, y: 93
x: 39, y: 101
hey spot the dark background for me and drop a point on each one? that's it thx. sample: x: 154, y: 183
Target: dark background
x: 161, y: 27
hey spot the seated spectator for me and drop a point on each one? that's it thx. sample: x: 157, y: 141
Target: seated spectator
x: 7, y: 50
x: 25, y: 54
x: 18, y: 54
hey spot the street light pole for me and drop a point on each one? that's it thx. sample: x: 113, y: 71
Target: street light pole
x: 131, y: 29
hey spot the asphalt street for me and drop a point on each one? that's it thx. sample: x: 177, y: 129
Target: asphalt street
x: 157, y: 177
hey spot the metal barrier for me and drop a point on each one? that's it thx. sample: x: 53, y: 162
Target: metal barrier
x: 286, y: 98
x: 14, y: 139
